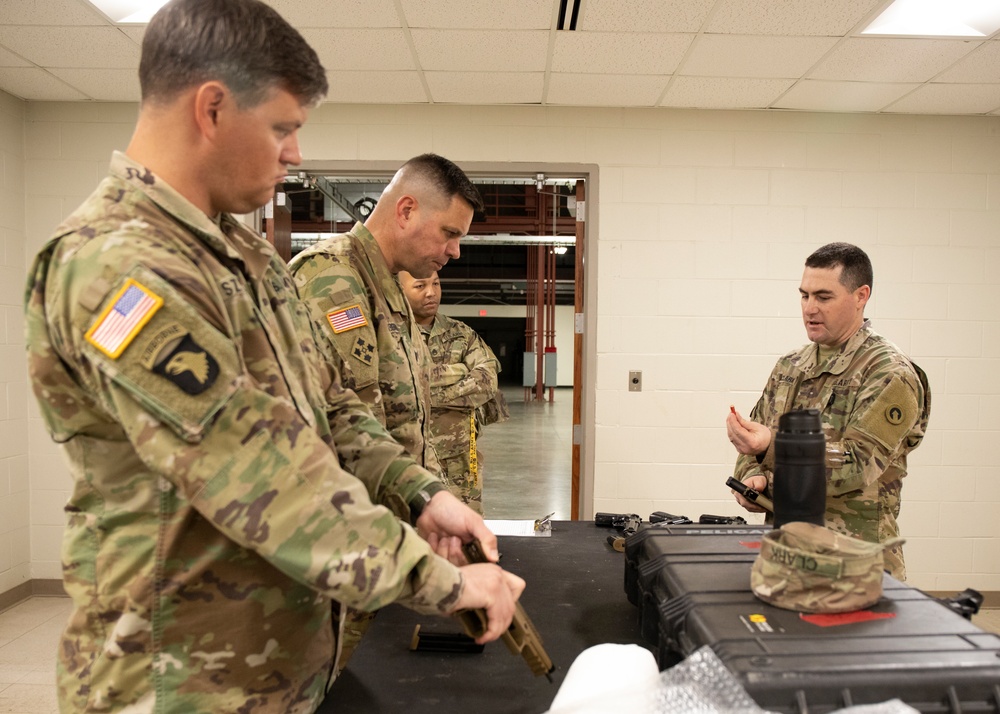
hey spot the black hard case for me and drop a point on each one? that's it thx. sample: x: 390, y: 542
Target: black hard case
x: 650, y: 549
x: 925, y: 654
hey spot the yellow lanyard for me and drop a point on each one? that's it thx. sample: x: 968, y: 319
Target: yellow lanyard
x: 473, y: 461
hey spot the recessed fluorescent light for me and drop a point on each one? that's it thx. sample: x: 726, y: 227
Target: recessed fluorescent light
x: 128, y: 11
x: 941, y: 18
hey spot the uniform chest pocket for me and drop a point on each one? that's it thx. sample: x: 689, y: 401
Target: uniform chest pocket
x: 840, y: 399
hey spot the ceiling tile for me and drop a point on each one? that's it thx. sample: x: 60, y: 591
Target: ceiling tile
x: 31, y: 83
x: 754, y: 56
x: 817, y: 95
x: 781, y: 17
x: 643, y: 15
x: 479, y: 14
x: 71, y: 46
x: 49, y: 12
x: 725, y: 54
x: 980, y: 65
x: 950, y: 99
x: 483, y: 51
x: 723, y: 92
x: 361, y: 49
x: 9, y: 59
x: 105, y: 85
x: 486, y: 87
x: 618, y: 52
x: 375, y: 88
x: 869, y: 59
x: 605, y: 90
x: 337, y: 13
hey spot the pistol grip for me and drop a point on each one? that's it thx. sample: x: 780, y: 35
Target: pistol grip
x: 521, y: 636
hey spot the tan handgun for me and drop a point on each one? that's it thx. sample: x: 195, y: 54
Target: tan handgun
x: 521, y: 637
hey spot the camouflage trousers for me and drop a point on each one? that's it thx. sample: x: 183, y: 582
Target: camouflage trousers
x: 464, y: 482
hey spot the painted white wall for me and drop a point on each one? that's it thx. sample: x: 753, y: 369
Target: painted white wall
x: 705, y: 218
x: 15, y: 557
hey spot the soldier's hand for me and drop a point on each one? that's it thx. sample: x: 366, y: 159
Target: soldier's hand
x: 758, y: 482
x: 749, y: 437
x: 493, y: 589
x: 448, y: 547
x: 446, y: 517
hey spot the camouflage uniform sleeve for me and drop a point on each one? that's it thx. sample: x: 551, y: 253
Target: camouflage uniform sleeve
x: 469, y: 383
x: 747, y: 466
x: 885, y: 410
x: 363, y: 446
x: 249, y: 462
x: 329, y: 286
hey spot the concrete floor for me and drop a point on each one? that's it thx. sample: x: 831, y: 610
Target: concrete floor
x: 527, y: 460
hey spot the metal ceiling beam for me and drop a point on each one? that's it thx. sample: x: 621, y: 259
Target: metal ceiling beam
x: 331, y: 192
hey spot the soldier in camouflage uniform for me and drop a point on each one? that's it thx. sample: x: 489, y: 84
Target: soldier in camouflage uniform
x: 226, y: 486
x: 362, y: 316
x: 463, y: 385
x: 874, y: 403
x: 350, y: 283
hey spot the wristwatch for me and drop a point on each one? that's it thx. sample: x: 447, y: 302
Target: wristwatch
x: 419, y: 501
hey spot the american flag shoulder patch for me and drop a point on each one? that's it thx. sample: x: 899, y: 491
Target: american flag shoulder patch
x: 124, y: 318
x: 346, y: 319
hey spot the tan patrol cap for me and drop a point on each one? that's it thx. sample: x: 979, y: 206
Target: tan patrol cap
x: 809, y: 568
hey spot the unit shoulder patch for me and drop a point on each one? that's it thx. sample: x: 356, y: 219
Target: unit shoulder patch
x: 363, y: 350
x: 891, y: 415
x: 189, y: 366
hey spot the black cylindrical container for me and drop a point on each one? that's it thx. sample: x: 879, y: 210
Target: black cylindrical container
x: 800, y: 469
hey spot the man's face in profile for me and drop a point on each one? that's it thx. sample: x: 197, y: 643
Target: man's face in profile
x: 432, y: 236
x: 254, y: 148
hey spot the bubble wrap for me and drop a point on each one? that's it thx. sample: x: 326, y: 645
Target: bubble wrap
x: 702, y: 684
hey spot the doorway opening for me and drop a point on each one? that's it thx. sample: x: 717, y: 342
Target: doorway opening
x: 540, y: 205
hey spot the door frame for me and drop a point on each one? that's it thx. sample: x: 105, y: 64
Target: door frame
x: 584, y: 393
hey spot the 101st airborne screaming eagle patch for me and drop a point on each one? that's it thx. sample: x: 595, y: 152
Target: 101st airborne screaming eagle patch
x: 189, y: 366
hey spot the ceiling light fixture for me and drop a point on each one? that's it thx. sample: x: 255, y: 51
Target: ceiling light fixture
x: 955, y: 18
x: 128, y: 11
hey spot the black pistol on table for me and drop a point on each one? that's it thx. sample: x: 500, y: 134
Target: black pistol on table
x: 626, y: 523
x: 521, y: 637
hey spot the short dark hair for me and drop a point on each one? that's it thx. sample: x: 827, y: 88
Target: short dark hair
x: 446, y: 177
x: 244, y: 44
x: 857, y: 267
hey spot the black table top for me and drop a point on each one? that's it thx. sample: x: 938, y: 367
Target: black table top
x: 575, y: 597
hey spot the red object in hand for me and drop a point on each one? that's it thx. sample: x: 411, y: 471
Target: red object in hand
x: 732, y: 409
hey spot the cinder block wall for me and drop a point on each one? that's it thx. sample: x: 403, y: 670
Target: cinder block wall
x: 704, y: 220
x: 15, y: 556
